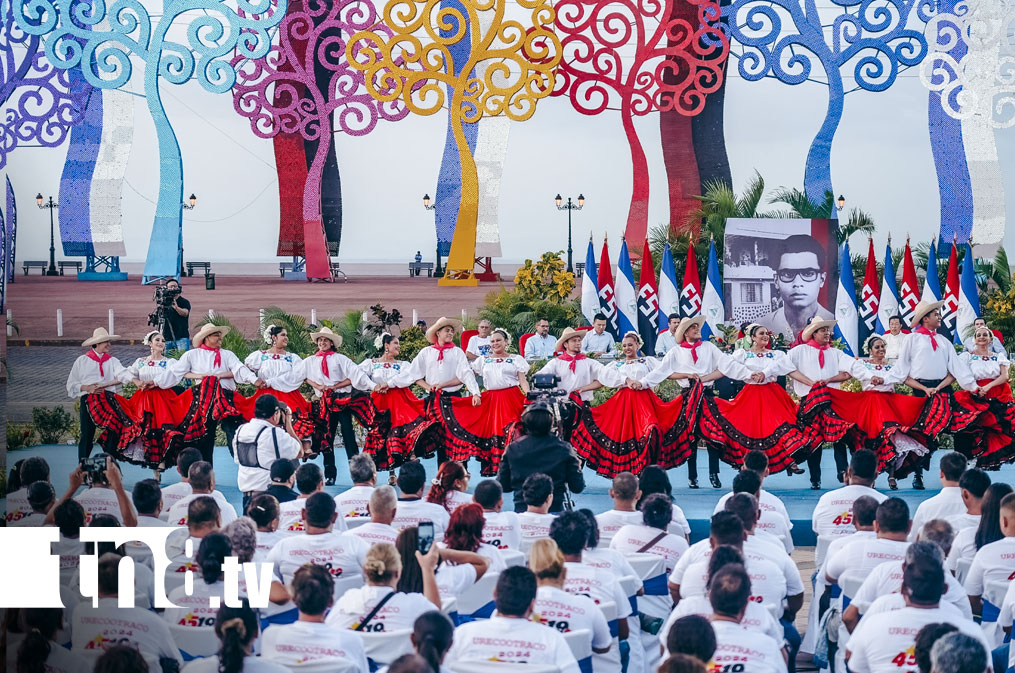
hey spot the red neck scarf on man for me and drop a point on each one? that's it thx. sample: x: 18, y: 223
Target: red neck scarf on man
x: 923, y: 330
x: 440, y: 350
x: 324, y: 361
x: 821, y: 351
x: 573, y: 359
x: 216, y: 351
x: 693, y: 348
x: 92, y: 355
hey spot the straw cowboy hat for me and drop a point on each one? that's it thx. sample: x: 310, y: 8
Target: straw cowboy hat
x: 327, y: 334
x: 207, y: 330
x: 922, y: 309
x: 685, y: 324
x: 569, y: 333
x: 813, y: 326
x: 98, y: 336
x: 431, y: 333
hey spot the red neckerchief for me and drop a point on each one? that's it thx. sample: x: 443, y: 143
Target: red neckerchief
x: 821, y: 351
x: 216, y: 351
x: 573, y: 359
x: 693, y: 348
x: 100, y: 359
x: 324, y: 362
x: 924, y: 330
x: 441, y: 349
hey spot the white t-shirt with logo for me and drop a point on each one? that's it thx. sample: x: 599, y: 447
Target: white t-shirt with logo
x: 502, y: 530
x: 567, y: 612
x: 31, y: 519
x: 17, y: 506
x: 512, y: 640
x: 599, y: 585
x: 409, y: 513
x: 946, y: 503
x: 861, y: 556
x: 99, y: 500
x: 611, y: 521
x: 994, y: 562
x: 833, y: 515
x: 265, y: 541
x: 774, y: 518
x: 178, y: 513
x: 352, y: 503
x: 884, y: 642
x: 375, y: 533
x: 300, y: 642
x: 290, y: 518
x: 533, y: 526
x: 97, y: 629
x: 342, y: 554
x: 630, y: 539
x: 454, y: 580
x: 739, y: 648
x: 195, y: 610
x: 768, y: 586
x: 754, y: 548
x: 172, y: 494
x: 251, y: 664
x: 886, y: 579
x: 612, y: 561
x: 756, y: 618
x: 397, y: 614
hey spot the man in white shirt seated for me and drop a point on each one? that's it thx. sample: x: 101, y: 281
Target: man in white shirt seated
x: 774, y: 516
x: 863, y: 513
x: 174, y: 492
x: 859, y: 557
x: 147, y: 498
x: 479, y: 343
x: 510, y: 636
x: 958, y: 653
x: 894, y: 338
x: 776, y: 532
x: 411, y: 507
x: 995, y: 347
x: 203, y: 519
x: 41, y: 499
x: 534, y: 522
x: 885, y: 641
x: 202, y: 482
x: 262, y: 441
x: 625, y: 494
x: 309, y: 480
x: 948, y: 501
x: 352, y: 503
x: 96, y: 629
x: 500, y: 529
x: 666, y: 340
x: 832, y: 515
x: 994, y: 561
x: 30, y: 470
x: 973, y: 485
x: 381, y: 509
x: 105, y: 493
x: 756, y: 652
x: 540, y: 346
x: 597, y: 342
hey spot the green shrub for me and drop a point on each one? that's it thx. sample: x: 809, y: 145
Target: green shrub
x: 412, y: 341
x: 52, y: 424
x: 20, y: 436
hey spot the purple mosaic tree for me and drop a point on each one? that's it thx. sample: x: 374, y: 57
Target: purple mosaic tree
x: 280, y: 93
x: 41, y: 102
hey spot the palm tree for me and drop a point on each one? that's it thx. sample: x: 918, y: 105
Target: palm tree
x: 996, y: 271
x: 858, y: 222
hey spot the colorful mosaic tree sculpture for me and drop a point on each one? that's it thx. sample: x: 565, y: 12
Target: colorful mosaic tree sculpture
x: 280, y: 94
x: 678, y: 58
x: 416, y: 63
x: 41, y: 102
x: 785, y: 39
x: 76, y: 36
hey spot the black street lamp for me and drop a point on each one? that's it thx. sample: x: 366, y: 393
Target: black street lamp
x: 841, y: 203
x: 438, y: 272
x: 189, y: 204
x: 51, y: 205
x: 569, y: 207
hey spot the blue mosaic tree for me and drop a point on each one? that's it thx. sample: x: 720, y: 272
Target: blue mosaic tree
x: 101, y: 37
x: 783, y: 39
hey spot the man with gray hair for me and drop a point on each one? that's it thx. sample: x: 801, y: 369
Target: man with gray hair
x: 353, y: 502
x: 382, y: 506
x: 479, y: 344
x: 958, y: 653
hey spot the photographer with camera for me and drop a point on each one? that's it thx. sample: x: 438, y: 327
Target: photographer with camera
x: 256, y: 449
x: 175, y: 310
x: 540, y: 451
x: 105, y: 493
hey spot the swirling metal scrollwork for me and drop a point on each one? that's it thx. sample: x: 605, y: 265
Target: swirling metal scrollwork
x: 415, y: 64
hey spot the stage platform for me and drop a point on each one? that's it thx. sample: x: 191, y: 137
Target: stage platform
x: 697, y: 504
x: 33, y: 302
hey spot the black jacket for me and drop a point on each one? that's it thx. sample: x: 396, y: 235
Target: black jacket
x: 548, y: 455
x: 282, y: 493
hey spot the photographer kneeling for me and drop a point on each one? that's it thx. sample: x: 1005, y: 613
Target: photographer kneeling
x: 540, y: 450
x: 256, y: 449
x: 176, y: 329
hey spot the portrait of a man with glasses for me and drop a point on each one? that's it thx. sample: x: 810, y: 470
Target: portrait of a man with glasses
x: 800, y: 274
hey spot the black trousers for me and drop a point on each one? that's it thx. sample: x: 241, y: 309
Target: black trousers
x: 340, y: 419
x: 442, y: 451
x: 924, y: 463
x: 692, y: 462
x: 840, y: 450
x: 206, y: 445
x: 87, y: 432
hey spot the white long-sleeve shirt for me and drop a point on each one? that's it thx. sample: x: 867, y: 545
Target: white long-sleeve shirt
x: 427, y: 367
x: 984, y: 366
x: 585, y: 372
x: 598, y: 343
x: 615, y: 374
x: 539, y: 347
x: 808, y: 362
x: 281, y: 371
x: 147, y: 369
x: 681, y: 360
x: 893, y: 344
x: 202, y: 362
x: 85, y: 372
x: 772, y: 364
x: 339, y: 368
x: 665, y: 343
x: 920, y: 360
x: 394, y: 374
x: 500, y: 373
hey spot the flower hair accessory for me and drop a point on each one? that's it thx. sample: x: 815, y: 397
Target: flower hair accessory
x: 869, y: 342
x: 636, y: 336
x: 267, y: 333
x: 379, y: 341
x: 147, y: 341
x: 503, y: 332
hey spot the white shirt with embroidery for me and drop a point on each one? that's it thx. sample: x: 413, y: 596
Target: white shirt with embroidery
x: 500, y: 373
x: 502, y: 530
x: 772, y: 364
x: 984, y: 366
x: 281, y: 371
x: 85, y: 372
x: 585, y: 372
x: 866, y: 371
x: 739, y: 648
x: 512, y: 640
x: 394, y: 374
x: 202, y: 362
x: 339, y: 368
x: 710, y: 358
x: 426, y: 366
x: 147, y: 369
x: 615, y: 374
x: 302, y: 642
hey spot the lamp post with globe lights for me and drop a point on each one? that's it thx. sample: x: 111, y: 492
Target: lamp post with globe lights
x: 51, y: 205
x: 570, y: 206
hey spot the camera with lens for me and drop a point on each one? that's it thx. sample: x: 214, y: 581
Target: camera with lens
x: 546, y: 387
x: 164, y: 299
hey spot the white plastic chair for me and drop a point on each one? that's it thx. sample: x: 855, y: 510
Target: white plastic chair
x: 478, y: 596
x: 512, y: 557
x: 580, y: 642
x: 497, y: 667
x: 850, y: 585
x: 993, y: 598
x: 821, y: 549
x: 195, y: 641
x: 962, y: 569
x: 608, y: 662
x: 384, y: 647
x: 356, y: 521
x: 646, y: 565
x: 343, y: 584
x: 324, y: 666
x: 449, y: 605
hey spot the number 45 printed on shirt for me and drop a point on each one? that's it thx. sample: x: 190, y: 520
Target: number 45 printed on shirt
x: 844, y: 519
x: 905, y: 659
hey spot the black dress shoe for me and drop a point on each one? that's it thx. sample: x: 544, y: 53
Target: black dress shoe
x: 841, y: 476
x: 918, y: 482
x: 714, y: 480
x: 893, y: 484
x: 815, y: 485
x: 692, y: 483
x: 330, y: 481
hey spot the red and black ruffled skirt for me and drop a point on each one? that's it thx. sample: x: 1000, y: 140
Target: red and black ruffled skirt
x: 401, y: 429
x: 159, y: 412
x: 988, y: 422
x: 479, y: 432
x: 761, y: 417
x: 815, y: 417
x: 303, y: 422
x: 209, y: 401
x: 357, y: 403
x: 112, y: 413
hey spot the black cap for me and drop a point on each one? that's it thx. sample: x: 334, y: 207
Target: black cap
x: 538, y: 405
x: 282, y: 470
x: 266, y: 406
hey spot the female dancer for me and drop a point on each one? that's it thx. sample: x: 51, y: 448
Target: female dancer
x: 633, y: 427
x: 333, y: 377
x: 483, y: 431
x: 736, y: 427
x: 279, y: 373
x: 989, y: 438
x: 400, y: 427
x: 155, y: 407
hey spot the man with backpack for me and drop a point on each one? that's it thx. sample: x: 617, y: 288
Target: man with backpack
x: 262, y: 441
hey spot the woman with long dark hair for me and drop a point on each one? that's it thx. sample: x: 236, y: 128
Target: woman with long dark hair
x: 432, y: 636
x: 279, y: 373
x: 38, y: 651
x: 455, y: 570
x: 969, y: 540
x: 448, y: 488
x: 465, y: 533
x: 237, y: 630
x: 193, y: 609
x: 264, y: 511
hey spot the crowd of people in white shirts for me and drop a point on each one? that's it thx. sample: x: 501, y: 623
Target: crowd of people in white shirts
x: 357, y: 586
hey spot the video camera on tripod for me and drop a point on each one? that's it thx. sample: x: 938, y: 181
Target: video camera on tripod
x: 164, y: 299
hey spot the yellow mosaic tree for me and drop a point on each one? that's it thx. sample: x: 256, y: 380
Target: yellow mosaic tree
x: 515, y: 62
